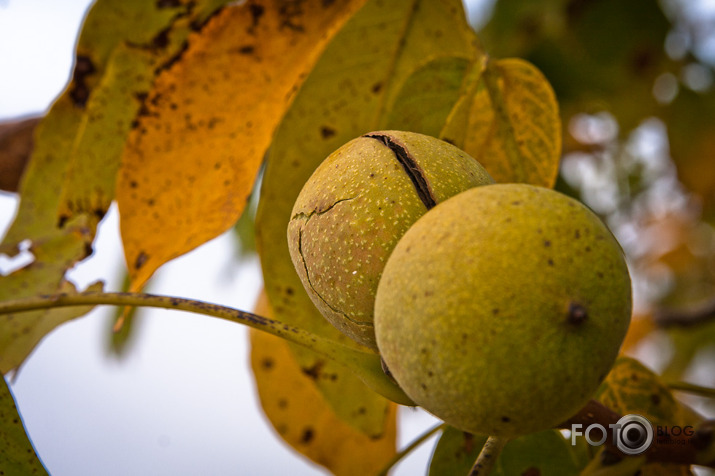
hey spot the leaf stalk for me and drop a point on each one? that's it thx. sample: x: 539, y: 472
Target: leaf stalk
x: 365, y: 364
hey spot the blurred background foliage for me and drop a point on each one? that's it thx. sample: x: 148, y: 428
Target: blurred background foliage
x: 634, y: 82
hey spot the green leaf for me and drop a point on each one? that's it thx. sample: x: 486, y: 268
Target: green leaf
x: 508, y: 119
x: 546, y: 452
x: 428, y: 95
x: 351, y: 91
x: 19, y: 333
x: 632, y: 388
x: 17, y: 456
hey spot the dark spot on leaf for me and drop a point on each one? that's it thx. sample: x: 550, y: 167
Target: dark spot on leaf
x: 171, y: 61
x: 289, y: 291
x: 327, y: 132
x: 516, y: 202
x: 307, y: 436
x: 141, y: 259
x: 256, y: 14
x: 247, y: 49
x: 550, y: 262
x: 133, y: 184
x: 83, y: 68
x: 495, y: 311
x: 376, y: 88
x: 314, y: 371
x: 290, y: 14
x: 282, y: 403
x: 267, y: 363
x: 168, y: 3
x: 505, y: 419
x: 547, y: 243
x: 143, y: 109
x: 161, y: 39
x: 531, y: 471
x: 655, y: 398
x: 577, y: 234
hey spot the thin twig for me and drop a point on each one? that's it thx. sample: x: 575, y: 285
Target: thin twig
x: 686, y: 317
x: 488, y: 456
x: 692, y: 388
x: 272, y: 326
x: 365, y: 364
x: 408, y: 449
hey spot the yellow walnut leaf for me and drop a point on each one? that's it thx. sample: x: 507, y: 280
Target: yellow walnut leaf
x: 191, y: 160
x: 508, y: 119
x: 303, y: 419
x: 17, y: 456
x: 122, y: 47
x: 630, y: 387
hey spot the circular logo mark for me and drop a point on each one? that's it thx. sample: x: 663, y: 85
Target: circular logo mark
x: 634, y: 434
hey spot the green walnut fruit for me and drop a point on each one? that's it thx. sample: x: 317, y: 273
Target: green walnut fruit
x: 502, y: 309
x: 355, y: 207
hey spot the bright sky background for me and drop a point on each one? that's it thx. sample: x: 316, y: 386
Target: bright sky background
x: 182, y: 401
